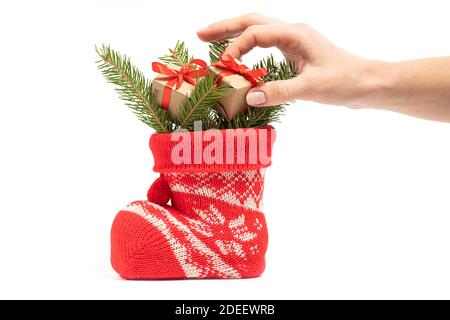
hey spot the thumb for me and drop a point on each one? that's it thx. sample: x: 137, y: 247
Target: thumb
x: 273, y: 93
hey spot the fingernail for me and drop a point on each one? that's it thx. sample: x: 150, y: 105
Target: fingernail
x: 256, y: 98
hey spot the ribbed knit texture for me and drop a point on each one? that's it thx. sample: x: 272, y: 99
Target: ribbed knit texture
x: 214, y: 227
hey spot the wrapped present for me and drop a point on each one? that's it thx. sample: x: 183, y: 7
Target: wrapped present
x: 174, y: 84
x: 240, y: 79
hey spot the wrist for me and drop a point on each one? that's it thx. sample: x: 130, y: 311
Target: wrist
x: 376, y: 81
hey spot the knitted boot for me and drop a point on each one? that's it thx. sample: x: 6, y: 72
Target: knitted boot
x: 215, y: 227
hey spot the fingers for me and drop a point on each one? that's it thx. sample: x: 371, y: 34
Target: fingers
x: 275, y: 92
x: 264, y: 36
x: 230, y: 28
x: 254, y: 30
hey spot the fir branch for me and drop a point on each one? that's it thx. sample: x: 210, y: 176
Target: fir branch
x: 214, y: 120
x: 239, y: 120
x: 262, y: 116
x: 177, y: 56
x: 287, y: 70
x: 204, y: 96
x: 216, y: 48
x: 133, y: 88
x: 257, y: 117
x: 276, y: 70
x: 270, y: 65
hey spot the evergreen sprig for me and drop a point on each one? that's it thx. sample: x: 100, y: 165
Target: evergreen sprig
x: 283, y: 70
x: 214, y: 120
x: 216, y: 48
x: 258, y: 116
x: 178, y: 55
x: 133, y: 88
x: 200, y: 102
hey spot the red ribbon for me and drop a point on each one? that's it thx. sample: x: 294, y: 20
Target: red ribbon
x: 230, y: 67
x: 188, y: 72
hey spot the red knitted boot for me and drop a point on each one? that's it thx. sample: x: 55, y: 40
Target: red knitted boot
x: 215, y: 227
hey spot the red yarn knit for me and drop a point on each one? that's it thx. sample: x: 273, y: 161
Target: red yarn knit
x: 214, y: 228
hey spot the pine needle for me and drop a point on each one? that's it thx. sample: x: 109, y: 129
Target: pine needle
x: 178, y: 55
x: 276, y: 70
x: 133, y: 88
x: 204, y: 96
x: 216, y: 48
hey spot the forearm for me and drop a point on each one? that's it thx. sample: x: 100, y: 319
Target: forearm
x: 420, y: 88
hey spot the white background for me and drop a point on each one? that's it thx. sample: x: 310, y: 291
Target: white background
x: 357, y: 202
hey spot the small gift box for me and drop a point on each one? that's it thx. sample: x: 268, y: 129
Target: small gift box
x: 240, y: 80
x: 174, y: 84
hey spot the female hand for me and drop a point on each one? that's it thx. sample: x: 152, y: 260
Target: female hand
x: 329, y: 74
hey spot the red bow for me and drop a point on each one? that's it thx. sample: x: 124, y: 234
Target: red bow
x: 232, y: 67
x: 188, y: 72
